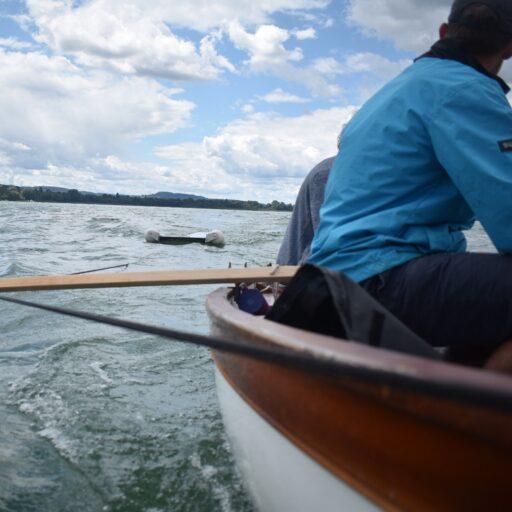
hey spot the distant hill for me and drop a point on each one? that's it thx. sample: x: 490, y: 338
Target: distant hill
x: 174, y: 195
x: 162, y: 199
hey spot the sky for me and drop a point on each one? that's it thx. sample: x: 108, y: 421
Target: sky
x: 222, y: 98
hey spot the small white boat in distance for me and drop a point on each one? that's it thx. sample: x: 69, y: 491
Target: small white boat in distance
x: 214, y: 238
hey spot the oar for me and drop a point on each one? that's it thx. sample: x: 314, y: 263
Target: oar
x: 153, y: 278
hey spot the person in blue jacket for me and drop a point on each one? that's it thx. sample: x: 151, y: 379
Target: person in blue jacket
x: 423, y: 159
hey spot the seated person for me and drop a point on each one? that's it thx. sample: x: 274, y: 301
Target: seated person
x: 296, y: 244
x: 424, y: 158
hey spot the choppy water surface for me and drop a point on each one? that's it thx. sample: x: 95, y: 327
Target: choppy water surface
x: 94, y: 418
x: 99, y: 419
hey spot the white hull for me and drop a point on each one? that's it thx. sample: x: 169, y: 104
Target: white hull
x: 279, y: 476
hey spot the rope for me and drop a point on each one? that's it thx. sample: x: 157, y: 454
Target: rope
x: 318, y: 365
x: 124, y: 267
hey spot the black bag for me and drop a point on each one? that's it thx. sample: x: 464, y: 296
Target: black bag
x: 328, y: 302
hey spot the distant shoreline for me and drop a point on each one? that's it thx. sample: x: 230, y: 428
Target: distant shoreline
x: 72, y: 196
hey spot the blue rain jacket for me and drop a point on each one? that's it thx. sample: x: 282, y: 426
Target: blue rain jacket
x: 426, y: 156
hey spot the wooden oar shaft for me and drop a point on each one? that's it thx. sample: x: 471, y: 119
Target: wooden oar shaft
x: 154, y: 278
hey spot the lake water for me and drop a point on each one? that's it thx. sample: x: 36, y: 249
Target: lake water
x: 99, y: 419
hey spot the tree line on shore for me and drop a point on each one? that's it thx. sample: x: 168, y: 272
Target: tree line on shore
x: 44, y: 195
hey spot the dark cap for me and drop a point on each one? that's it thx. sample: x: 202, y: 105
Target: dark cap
x: 502, y: 8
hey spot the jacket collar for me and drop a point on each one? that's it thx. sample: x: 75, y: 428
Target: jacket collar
x: 451, y: 50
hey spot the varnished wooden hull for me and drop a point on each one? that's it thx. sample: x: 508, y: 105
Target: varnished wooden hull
x: 400, y: 448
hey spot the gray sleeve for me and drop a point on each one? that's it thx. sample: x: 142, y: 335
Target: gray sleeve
x: 299, y: 229
x: 296, y: 244
x: 317, y: 191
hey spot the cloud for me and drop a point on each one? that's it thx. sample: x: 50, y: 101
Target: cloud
x: 61, y: 115
x: 328, y: 66
x: 126, y: 40
x: 373, y: 70
x: 308, y: 33
x: 134, y: 36
x: 280, y: 96
x: 67, y: 124
x: 268, y: 55
x: 101, y: 174
x: 365, y: 62
x: 265, y: 46
x: 205, y: 15
x: 377, y: 65
x: 411, y: 24
x: 209, y: 53
x: 263, y: 156
x: 248, y: 108
x: 15, y: 44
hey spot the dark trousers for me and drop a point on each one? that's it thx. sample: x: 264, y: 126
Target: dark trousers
x: 461, y: 301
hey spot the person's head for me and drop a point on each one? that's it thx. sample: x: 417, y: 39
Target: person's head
x: 482, y: 28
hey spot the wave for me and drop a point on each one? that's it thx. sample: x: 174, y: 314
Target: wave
x: 16, y: 268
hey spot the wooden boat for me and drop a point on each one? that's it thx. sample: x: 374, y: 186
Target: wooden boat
x: 390, y: 432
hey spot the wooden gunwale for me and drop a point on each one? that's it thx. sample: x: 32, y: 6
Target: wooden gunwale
x: 402, y: 449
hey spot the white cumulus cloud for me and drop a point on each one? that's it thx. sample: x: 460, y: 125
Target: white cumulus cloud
x: 308, y: 33
x: 127, y: 40
x: 207, y: 15
x: 265, y: 46
x: 134, y: 36
x: 265, y: 155
x: 60, y: 115
x: 269, y: 55
x: 15, y: 44
x: 280, y: 96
